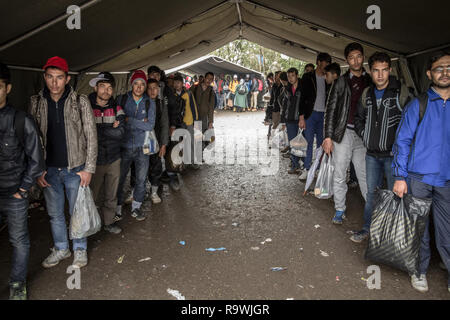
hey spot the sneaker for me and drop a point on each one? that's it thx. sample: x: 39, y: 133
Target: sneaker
x: 17, y: 291
x: 294, y: 171
x: 134, y: 213
x: 55, y: 257
x: 155, y: 198
x: 80, y: 259
x: 304, y: 175
x: 140, y: 215
x: 359, y: 236
x: 338, y: 217
x: 175, y: 185
x: 113, y: 228
x: 420, y: 284
x: 117, y: 217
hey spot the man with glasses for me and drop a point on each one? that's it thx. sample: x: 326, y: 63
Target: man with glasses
x: 421, y: 161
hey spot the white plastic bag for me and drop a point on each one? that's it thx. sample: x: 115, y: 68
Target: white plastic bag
x: 299, y: 142
x: 312, y: 170
x: 151, y: 145
x: 324, y: 183
x: 280, y: 139
x: 85, y: 220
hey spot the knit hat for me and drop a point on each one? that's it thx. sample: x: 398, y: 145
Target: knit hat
x: 138, y: 75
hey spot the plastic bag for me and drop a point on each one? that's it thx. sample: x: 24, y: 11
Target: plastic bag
x: 324, y: 183
x: 85, y: 220
x: 312, y: 170
x: 280, y: 139
x: 151, y: 145
x: 299, y: 142
x: 397, y: 227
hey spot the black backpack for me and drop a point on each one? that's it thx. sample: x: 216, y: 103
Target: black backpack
x: 423, y: 104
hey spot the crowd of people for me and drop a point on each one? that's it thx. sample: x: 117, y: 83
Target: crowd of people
x: 372, y: 124
x: 67, y: 140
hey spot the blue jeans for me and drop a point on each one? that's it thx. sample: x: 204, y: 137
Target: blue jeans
x: 314, y: 127
x: 60, y: 179
x: 440, y: 213
x: 16, y: 213
x: 292, y: 132
x: 376, y: 170
x: 141, y: 163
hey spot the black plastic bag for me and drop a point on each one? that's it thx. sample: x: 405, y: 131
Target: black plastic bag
x: 398, y: 225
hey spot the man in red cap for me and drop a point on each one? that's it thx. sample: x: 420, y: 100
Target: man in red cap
x: 69, y: 136
x: 140, y: 111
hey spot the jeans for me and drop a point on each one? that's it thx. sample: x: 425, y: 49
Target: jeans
x: 314, y: 127
x: 220, y: 100
x: 60, y: 179
x: 16, y: 213
x: 440, y: 211
x: 376, y: 170
x: 351, y: 149
x: 292, y: 132
x: 141, y: 161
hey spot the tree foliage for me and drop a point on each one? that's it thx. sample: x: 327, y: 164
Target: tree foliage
x: 248, y: 54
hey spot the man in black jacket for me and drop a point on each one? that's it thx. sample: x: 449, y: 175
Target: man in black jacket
x: 110, y: 120
x: 162, y: 134
x: 340, y: 134
x: 313, y: 101
x: 21, y: 162
x: 379, y: 113
x: 292, y: 116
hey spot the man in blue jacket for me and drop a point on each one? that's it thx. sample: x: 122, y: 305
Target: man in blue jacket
x: 140, y: 112
x: 421, y: 159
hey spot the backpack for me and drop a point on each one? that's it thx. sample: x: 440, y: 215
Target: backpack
x: 241, y: 89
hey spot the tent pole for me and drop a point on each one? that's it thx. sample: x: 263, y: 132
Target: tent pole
x: 238, y: 8
x: 428, y: 50
x: 44, y: 26
x: 35, y: 69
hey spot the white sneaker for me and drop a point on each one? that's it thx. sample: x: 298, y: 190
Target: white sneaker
x: 155, y: 198
x: 80, y: 258
x: 304, y: 175
x: 420, y: 284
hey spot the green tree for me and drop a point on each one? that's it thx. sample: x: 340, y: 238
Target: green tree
x: 248, y: 54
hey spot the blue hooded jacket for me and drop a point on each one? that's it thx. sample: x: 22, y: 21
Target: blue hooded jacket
x: 423, y: 151
x: 136, y: 126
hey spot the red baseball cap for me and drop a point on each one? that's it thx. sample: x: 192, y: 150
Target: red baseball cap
x: 57, y: 62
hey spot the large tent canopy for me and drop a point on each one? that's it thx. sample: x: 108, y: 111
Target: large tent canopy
x: 119, y: 35
x: 215, y: 65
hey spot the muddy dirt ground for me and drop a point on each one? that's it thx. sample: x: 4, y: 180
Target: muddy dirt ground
x: 232, y: 206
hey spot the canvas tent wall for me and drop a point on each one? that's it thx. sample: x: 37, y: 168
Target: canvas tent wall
x: 119, y: 35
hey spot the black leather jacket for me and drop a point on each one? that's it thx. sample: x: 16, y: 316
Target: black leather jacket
x: 20, y: 165
x: 292, y: 110
x: 309, y: 93
x: 338, y: 105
